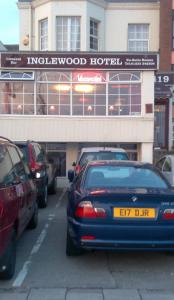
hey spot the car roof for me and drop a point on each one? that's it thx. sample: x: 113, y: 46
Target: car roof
x: 128, y: 163
x: 98, y: 149
x: 6, y: 141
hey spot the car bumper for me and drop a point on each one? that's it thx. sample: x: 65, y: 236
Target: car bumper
x: 122, y: 237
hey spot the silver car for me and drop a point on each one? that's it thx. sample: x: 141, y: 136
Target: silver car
x: 166, y: 166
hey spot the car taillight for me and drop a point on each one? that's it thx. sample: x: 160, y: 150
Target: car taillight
x: 85, y: 209
x: 77, y: 169
x: 168, y: 214
x: 87, y: 237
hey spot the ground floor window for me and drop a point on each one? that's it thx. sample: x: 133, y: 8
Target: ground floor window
x: 74, y: 93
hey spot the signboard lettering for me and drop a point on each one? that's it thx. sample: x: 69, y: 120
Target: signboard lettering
x: 78, y: 60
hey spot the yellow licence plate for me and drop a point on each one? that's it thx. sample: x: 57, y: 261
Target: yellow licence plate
x: 129, y: 212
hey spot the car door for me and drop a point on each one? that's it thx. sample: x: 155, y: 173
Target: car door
x: 160, y: 164
x: 8, y: 197
x: 21, y: 187
x: 167, y: 169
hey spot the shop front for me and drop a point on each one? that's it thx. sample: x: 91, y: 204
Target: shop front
x: 163, y: 126
x: 68, y: 101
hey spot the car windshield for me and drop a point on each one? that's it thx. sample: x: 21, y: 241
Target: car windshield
x: 123, y: 176
x: 102, y: 155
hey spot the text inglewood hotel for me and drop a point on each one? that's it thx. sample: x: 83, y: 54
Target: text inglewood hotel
x: 84, y: 76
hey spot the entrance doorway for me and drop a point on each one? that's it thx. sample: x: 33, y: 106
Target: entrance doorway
x: 161, y: 125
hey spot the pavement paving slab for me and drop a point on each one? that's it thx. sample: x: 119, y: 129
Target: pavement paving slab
x: 47, y: 294
x: 121, y: 294
x: 13, y: 296
x: 157, y: 295
x: 87, y: 294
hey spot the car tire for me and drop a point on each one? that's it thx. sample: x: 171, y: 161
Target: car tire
x: 71, y: 249
x: 43, y: 199
x: 9, y: 259
x: 34, y: 219
x: 52, y: 188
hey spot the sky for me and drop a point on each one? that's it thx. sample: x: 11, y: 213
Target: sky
x: 9, y: 22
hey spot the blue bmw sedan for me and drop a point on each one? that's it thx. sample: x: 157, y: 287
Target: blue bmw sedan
x: 119, y: 205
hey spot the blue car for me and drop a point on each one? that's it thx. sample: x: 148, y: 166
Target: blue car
x: 119, y: 205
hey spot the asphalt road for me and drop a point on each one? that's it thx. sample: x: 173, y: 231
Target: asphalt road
x: 42, y: 265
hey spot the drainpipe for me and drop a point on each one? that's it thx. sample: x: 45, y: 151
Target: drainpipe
x: 30, y: 29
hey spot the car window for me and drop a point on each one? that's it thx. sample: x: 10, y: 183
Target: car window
x: 160, y: 163
x: 123, y: 176
x: 39, y: 153
x: 22, y: 156
x: 102, y: 155
x: 6, y: 168
x: 167, y: 165
x: 18, y: 166
x: 24, y: 150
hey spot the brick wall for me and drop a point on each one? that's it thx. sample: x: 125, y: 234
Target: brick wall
x: 165, y: 34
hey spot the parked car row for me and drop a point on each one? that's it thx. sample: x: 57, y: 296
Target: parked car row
x: 120, y: 205
x: 25, y: 177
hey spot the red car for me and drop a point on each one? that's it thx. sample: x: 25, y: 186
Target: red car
x: 18, y: 205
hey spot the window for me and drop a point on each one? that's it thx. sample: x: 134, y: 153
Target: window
x: 68, y: 33
x: 17, y: 98
x: 124, y: 93
x: 123, y: 176
x: 16, y: 75
x: 160, y: 163
x: 6, y: 174
x: 18, y: 166
x: 138, y: 37
x: 94, y: 35
x: 167, y: 165
x: 43, y: 30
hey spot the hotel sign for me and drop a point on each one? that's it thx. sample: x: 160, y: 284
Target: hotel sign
x: 78, y: 61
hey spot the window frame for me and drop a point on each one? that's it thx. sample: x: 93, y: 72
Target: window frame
x: 69, y: 26
x: 138, y: 39
x: 43, y: 38
x: 92, y: 35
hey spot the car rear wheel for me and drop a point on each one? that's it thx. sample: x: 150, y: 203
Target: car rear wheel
x: 9, y: 259
x: 43, y: 199
x: 34, y: 219
x: 71, y: 248
x: 52, y: 188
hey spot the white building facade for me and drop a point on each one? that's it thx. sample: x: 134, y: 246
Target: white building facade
x: 95, y: 87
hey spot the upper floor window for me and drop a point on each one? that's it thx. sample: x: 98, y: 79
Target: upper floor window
x: 43, y: 30
x: 68, y: 33
x: 138, y: 37
x: 94, y: 35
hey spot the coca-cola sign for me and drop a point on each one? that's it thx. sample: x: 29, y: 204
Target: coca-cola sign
x: 78, y: 60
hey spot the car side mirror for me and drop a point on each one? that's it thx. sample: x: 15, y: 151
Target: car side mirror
x: 71, y: 175
x: 73, y: 164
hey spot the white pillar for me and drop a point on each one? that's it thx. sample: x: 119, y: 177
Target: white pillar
x: 147, y: 152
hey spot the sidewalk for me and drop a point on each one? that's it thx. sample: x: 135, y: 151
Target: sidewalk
x: 86, y: 294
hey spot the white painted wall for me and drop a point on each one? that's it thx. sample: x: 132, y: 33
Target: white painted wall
x: 97, y: 13
x: 117, y: 19
x: 114, y: 19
